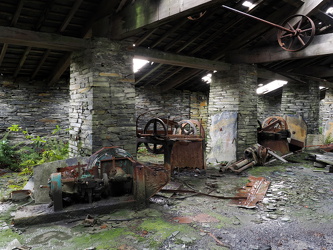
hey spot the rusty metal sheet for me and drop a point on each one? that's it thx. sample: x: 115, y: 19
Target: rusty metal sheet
x: 188, y: 154
x: 254, y: 192
x: 18, y: 195
x: 148, y: 181
x: 280, y: 146
x: 298, y: 130
x: 223, y: 131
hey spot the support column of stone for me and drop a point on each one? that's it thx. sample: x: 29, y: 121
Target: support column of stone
x: 102, y: 103
x: 232, y: 92
x: 302, y: 99
x: 326, y: 116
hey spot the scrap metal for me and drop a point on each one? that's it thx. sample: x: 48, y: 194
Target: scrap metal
x: 252, y: 193
x: 254, y: 155
x: 110, y: 171
x: 182, y: 143
x: 274, y: 134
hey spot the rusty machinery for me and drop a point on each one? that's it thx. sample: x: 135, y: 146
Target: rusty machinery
x: 110, y: 171
x: 182, y: 143
x: 276, y: 136
x: 295, y: 34
x: 283, y: 134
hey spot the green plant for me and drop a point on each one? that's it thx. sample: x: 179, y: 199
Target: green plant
x: 8, y: 156
x: 328, y: 139
x: 36, y: 150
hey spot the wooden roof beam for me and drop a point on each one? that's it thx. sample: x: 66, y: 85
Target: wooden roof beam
x: 40, y: 39
x: 320, y: 46
x: 147, y: 14
x: 178, y: 60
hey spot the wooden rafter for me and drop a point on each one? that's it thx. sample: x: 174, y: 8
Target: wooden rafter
x: 46, y: 54
x: 143, y: 14
x: 178, y: 60
x: 17, y: 13
x: 42, y: 18
x: 321, y: 45
x: 23, y: 58
x: 3, y: 52
x: 40, y: 40
x: 70, y: 15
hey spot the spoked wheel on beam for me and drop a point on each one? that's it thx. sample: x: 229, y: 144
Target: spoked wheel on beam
x: 156, y: 127
x: 295, y: 34
x: 298, y: 36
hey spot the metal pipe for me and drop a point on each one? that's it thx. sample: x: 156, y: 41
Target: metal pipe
x: 259, y: 19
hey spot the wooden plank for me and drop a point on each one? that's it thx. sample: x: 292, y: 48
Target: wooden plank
x: 60, y: 69
x: 179, y: 60
x: 320, y: 46
x: 151, y: 13
x: 40, y: 40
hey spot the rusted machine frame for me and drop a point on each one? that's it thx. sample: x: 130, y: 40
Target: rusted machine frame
x: 180, y: 150
x: 146, y: 181
x: 274, y: 134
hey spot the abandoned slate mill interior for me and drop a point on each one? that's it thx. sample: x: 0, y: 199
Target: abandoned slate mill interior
x: 166, y: 124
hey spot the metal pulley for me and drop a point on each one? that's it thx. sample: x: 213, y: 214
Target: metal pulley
x: 295, y: 34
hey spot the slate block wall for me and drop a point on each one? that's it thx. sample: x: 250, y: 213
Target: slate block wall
x: 102, y: 104
x: 302, y: 99
x: 268, y: 106
x: 175, y: 104
x: 34, y: 106
x: 235, y: 90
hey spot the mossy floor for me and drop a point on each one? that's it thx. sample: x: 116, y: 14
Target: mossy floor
x: 296, y: 213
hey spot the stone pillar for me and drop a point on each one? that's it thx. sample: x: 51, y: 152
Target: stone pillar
x: 233, y: 95
x: 326, y: 117
x: 326, y: 107
x: 302, y: 99
x: 102, y: 98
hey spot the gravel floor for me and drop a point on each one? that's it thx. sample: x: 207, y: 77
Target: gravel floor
x: 296, y: 213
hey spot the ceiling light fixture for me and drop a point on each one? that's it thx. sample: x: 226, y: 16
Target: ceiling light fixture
x: 271, y: 86
x: 329, y: 11
x: 247, y: 4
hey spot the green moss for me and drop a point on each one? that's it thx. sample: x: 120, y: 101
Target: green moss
x: 6, y: 236
x: 110, y: 239
x: 224, y: 221
x: 161, y: 230
x: 266, y: 170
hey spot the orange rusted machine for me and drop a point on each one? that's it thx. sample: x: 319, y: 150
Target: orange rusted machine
x: 182, y: 143
x: 110, y: 172
x: 283, y: 134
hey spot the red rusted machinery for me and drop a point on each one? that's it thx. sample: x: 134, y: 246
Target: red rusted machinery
x: 283, y: 134
x: 182, y: 143
x: 110, y: 171
x: 274, y: 134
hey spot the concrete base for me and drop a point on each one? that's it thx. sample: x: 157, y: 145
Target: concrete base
x: 39, y: 214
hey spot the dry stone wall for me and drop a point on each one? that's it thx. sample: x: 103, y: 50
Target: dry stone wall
x: 268, y: 106
x: 302, y: 99
x: 175, y: 104
x: 102, y: 104
x: 34, y: 106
